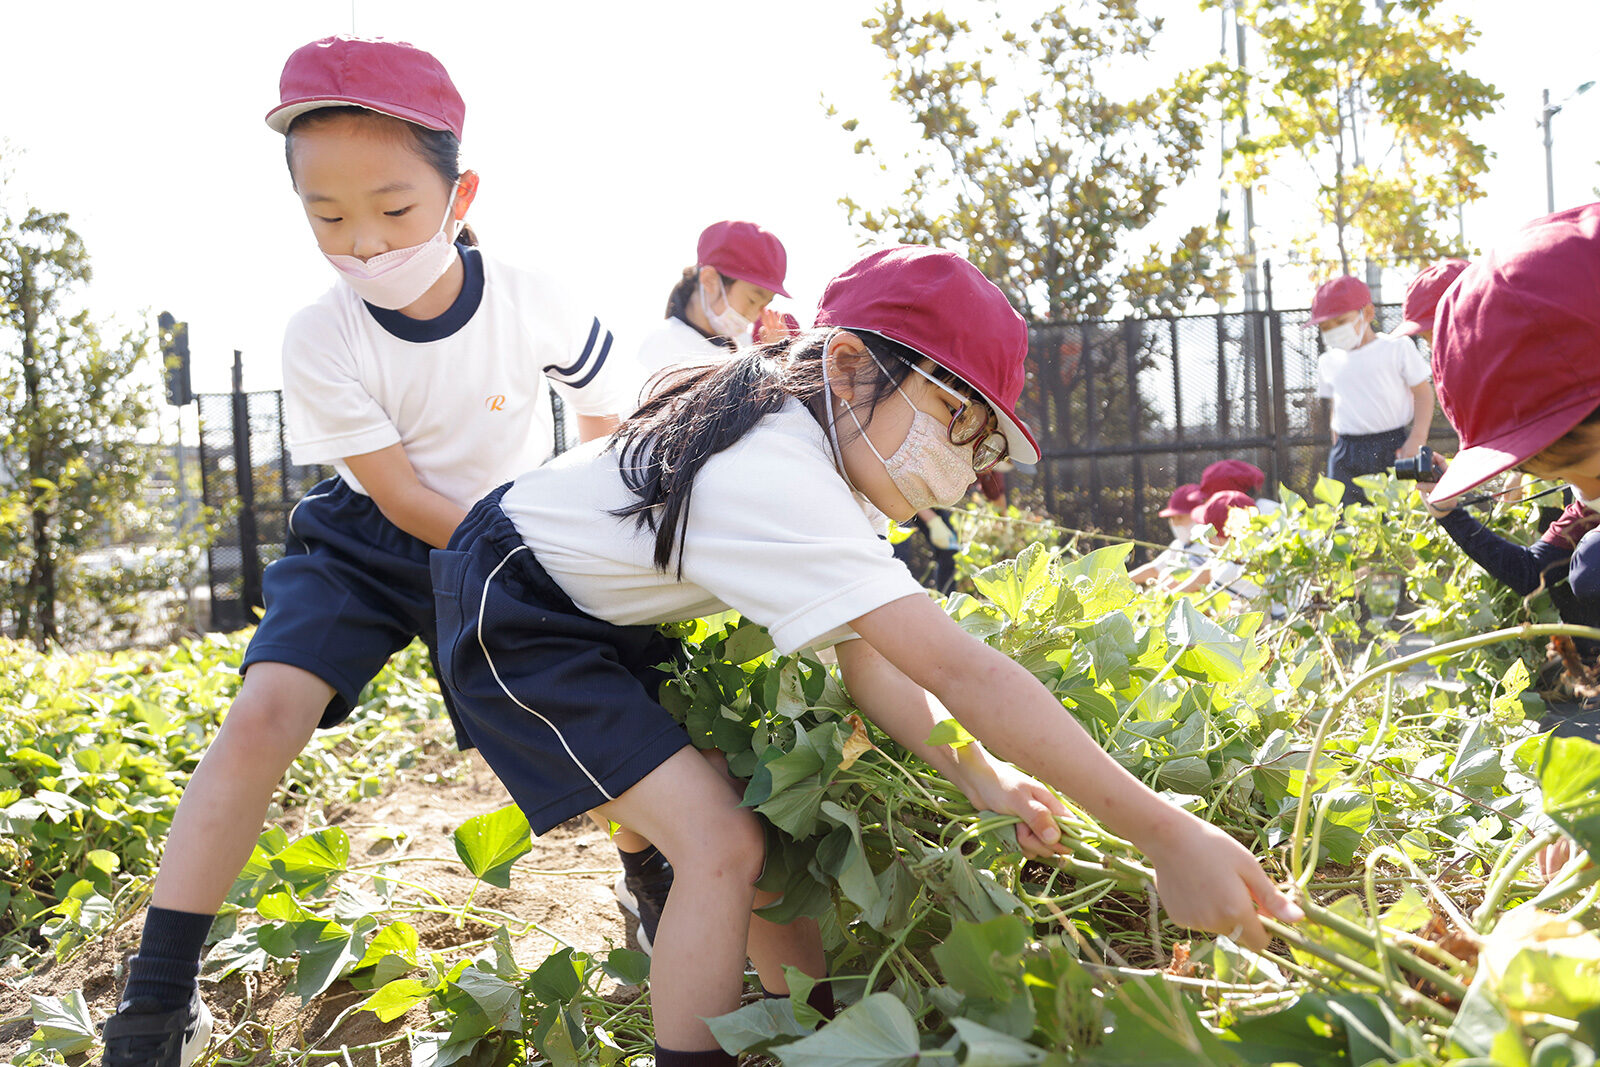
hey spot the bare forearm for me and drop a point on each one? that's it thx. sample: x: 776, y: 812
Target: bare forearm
x: 899, y: 706
x: 1024, y: 724
x: 1422, y: 401
x: 423, y: 514
x: 591, y: 427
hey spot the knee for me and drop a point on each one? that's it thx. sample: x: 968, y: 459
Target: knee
x: 263, y: 721
x: 738, y: 847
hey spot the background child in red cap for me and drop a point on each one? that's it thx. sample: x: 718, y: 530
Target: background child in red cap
x: 746, y: 484
x: 1217, y: 574
x: 423, y: 377
x: 1377, y: 383
x: 1236, y: 474
x: 721, y: 301
x: 1183, y: 556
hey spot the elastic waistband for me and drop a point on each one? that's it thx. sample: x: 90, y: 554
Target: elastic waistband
x: 487, y: 526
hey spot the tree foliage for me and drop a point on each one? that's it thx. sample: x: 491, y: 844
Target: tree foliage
x: 74, y: 397
x: 1045, y: 177
x: 1371, y: 100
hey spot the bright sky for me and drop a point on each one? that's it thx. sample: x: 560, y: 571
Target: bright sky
x: 607, y: 136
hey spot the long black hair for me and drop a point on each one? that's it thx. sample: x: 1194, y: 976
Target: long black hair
x: 440, y: 149
x: 701, y: 409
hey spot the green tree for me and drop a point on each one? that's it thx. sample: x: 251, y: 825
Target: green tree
x: 1371, y: 101
x: 1047, y: 179
x: 72, y: 406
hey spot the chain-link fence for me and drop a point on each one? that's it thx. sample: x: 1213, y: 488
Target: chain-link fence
x: 1127, y: 410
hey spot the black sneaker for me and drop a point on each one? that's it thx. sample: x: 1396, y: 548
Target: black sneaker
x: 643, y: 896
x: 140, y: 1034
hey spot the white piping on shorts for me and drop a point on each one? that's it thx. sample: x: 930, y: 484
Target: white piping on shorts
x: 482, y: 599
x: 290, y: 520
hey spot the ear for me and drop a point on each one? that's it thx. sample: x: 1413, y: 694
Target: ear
x: 466, y: 192
x: 1369, y: 313
x: 709, y: 276
x: 847, y: 364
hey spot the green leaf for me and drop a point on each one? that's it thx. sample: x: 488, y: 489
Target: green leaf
x: 1011, y: 584
x: 393, y: 952
x: 983, y: 959
x: 490, y: 843
x: 950, y: 732
x: 63, y: 1023
x: 876, y: 1032
x: 396, y: 998
x: 1208, y: 648
x: 746, y: 643
x: 1328, y: 490
x: 755, y: 1026
x: 499, y: 1000
x: 991, y: 1048
x: 558, y: 979
x: 627, y: 966
x: 1568, y: 769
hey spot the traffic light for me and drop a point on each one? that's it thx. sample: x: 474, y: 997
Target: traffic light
x: 175, y: 359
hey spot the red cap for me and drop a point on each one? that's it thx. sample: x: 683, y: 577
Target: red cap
x: 934, y: 301
x: 389, y: 77
x: 1424, y: 293
x: 1215, y: 511
x: 1231, y: 474
x: 1339, y: 296
x: 1514, y: 353
x: 744, y: 251
x: 1183, y: 501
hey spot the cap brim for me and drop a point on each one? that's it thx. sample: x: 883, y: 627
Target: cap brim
x: 1473, y: 466
x: 279, y: 118
x: 1411, y: 329
x: 764, y: 283
x: 1172, y: 513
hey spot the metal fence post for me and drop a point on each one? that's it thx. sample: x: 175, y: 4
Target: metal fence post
x: 244, y: 477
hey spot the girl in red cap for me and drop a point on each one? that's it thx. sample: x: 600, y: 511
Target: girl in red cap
x: 552, y: 588
x: 1182, y: 556
x: 423, y: 377
x: 721, y: 301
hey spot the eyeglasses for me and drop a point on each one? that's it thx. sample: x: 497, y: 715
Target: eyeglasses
x: 975, y: 424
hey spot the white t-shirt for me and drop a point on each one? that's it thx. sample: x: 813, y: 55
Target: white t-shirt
x: 1181, y: 556
x: 672, y: 343
x: 466, y: 394
x: 1371, y: 386
x: 774, y: 532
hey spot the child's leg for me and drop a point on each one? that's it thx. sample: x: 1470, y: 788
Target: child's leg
x: 225, y: 803
x: 717, y: 849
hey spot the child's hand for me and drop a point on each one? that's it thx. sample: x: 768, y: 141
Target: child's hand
x: 1004, y: 789
x: 1208, y: 881
x: 772, y: 326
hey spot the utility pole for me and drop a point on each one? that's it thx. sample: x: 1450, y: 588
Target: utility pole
x: 1550, y: 111
x: 1251, y: 302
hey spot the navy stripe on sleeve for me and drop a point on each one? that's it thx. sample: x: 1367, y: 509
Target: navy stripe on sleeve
x: 588, y: 347
x: 600, y: 361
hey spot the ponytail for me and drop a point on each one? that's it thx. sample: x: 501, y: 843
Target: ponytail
x: 678, y: 299
x: 702, y: 410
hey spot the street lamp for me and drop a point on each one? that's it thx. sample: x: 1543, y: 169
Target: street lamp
x: 1549, y: 167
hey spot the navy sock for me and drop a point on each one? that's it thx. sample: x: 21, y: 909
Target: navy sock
x: 666, y: 1057
x: 636, y: 864
x: 168, y: 962
x: 820, y: 999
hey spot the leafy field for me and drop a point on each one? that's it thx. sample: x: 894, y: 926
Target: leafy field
x: 1406, y: 797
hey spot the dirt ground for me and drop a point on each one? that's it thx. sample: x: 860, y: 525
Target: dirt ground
x: 428, y: 803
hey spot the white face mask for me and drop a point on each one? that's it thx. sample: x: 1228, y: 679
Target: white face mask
x: 728, y: 323
x: 398, y: 278
x: 927, y: 469
x: 1347, y: 336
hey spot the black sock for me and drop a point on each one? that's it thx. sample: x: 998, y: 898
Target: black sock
x: 820, y: 998
x: 666, y: 1057
x: 168, y: 962
x: 636, y: 864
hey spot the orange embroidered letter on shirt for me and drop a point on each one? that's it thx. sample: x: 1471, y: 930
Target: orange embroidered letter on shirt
x: 495, y: 403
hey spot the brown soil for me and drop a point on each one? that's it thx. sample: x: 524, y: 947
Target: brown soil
x: 428, y: 803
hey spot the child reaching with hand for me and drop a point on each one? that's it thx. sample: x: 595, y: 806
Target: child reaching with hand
x: 744, y: 485
x: 423, y: 376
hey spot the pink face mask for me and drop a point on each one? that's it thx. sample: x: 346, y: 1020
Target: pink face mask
x: 398, y: 278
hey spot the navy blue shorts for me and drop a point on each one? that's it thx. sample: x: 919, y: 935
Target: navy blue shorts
x: 351, y: 590
x: 561, y: 705
x: 1363, y: 453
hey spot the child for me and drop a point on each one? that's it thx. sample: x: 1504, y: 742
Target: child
x: 1423, y: 296
x: 1239, y: 475
x: 743, y: 485
x: 1182, y: 555
x: 421, y: 377
x: 1377, y: 383
x: 722, y: 299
